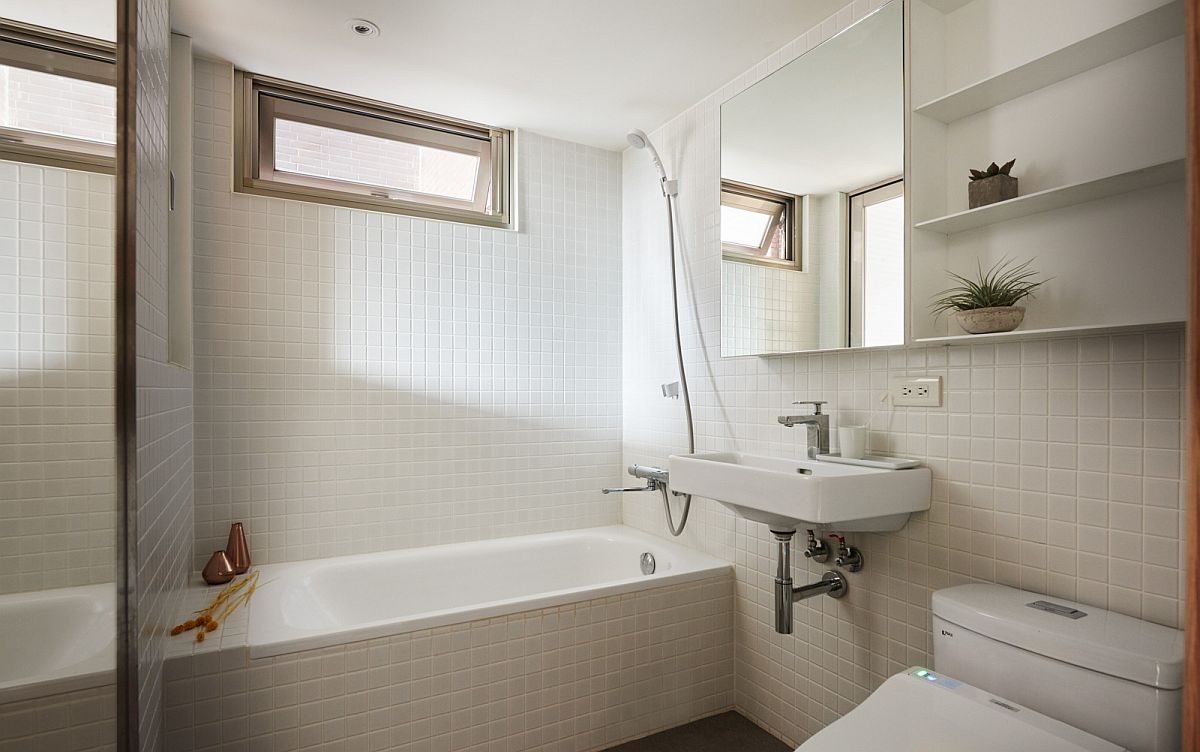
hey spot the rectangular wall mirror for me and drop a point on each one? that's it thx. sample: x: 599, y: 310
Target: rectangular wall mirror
x: 812, y: 198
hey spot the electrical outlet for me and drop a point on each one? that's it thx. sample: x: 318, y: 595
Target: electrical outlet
x: 917, y: 391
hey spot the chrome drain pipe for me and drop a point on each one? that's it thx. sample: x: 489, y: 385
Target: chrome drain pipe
x: 832, y: 583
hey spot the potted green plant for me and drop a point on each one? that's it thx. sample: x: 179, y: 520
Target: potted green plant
x: 991, y: 185
x: 989, y: 303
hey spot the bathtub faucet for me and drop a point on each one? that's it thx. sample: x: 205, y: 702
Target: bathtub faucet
x: 655, y: 477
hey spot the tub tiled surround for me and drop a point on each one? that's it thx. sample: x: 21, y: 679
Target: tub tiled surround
x: 575, y: 678
x: 367, y: 381
x: 81, y: 721
x: 1056, y: 462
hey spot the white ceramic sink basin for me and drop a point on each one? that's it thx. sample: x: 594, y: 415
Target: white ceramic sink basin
x: 787, y: 494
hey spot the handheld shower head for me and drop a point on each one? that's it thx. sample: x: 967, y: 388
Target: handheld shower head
x: 639, y: 140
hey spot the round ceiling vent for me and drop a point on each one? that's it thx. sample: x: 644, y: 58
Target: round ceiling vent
x: 362, y: 27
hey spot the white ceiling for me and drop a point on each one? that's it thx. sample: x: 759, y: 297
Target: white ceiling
x: 832, y: 120
x: 586, y: 71
x: 89, y: 18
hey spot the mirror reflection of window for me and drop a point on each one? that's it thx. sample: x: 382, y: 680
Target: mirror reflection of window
x: 57, y: 98
x: 877, y: 265
x: 758, y: 225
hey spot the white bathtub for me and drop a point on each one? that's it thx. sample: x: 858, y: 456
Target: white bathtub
x: 55, y: 641
x: 314, y: 604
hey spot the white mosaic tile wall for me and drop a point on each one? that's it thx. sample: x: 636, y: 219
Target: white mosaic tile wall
x: 826, y: 221
x: 1056, y: 462
x: 164, y: 392
x: 81, y: 721
x: 56, y: 382
x: 575, y: 678
x: 367, y: 381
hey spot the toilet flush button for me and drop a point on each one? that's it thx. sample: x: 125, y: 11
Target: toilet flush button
x: 1057, y: 609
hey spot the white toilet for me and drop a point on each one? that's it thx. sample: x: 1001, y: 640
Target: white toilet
x: 1025, y: 672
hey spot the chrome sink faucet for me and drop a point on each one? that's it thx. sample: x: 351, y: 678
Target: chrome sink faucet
x: 817, y: 424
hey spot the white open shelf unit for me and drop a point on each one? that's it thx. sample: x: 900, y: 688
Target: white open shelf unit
x: 1113, y: 43
x: 947, y: 6
x: 1103, y: 97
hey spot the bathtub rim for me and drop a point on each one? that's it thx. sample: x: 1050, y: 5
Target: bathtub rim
x: 67, y: 679
x: 703, y: 566
x: 54, y: 685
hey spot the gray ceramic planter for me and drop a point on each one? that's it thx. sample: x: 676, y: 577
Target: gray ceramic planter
x: 985, y: 320
x: 991, y: 190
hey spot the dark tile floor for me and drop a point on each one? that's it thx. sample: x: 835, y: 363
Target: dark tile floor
x: 727, y: 732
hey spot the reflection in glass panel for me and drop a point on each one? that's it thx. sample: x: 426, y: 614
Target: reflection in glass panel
x: 743, y: 227
x: 323, y: 152
x: 57, y: 357
x: 757, y: 225
x: 883, y: 264
x: 57, y: 105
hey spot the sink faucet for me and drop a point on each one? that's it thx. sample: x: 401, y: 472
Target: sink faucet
x: 817, y: 424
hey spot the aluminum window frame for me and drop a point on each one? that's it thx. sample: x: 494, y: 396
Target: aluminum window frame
x: 260, y: 101
x: 785, y: 210
x: 59, y: 53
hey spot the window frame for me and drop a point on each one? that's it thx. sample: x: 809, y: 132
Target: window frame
x: 857, y: 202
x: 59, y: 53
x: 785, y: 210
x: 260, y: 100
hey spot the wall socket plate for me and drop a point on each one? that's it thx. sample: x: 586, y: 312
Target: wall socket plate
x: 917, y: 391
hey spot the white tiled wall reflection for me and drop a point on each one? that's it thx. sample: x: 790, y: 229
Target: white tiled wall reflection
x: 56, y: 382
x: 766, y: 311
x: 80, y: 721
x: 368, y: 381
x: 1056, y: 462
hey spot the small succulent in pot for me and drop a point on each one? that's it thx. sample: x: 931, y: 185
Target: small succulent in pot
x: 991, y: 185
x: 993, y: 170
x: 989, y: 302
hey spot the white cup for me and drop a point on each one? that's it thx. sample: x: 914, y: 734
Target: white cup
x: 852, y: 441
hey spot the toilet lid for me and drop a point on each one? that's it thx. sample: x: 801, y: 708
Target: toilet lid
x: 920, y: 711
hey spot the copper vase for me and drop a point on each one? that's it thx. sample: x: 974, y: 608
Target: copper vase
x: 237, y: 550
x: 218, y: 570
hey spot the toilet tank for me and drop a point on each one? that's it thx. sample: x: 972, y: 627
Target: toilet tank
x: 1112, y: 675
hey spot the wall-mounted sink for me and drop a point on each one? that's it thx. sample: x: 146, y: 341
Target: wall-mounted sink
x: 787, y: 494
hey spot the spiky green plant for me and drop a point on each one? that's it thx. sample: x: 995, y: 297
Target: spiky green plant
x: 1004, y: 284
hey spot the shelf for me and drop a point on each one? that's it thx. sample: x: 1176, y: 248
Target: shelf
x: 947, y: 6
x: 1060, y: 331
x: 1056, y: 198
x: 1113, y: 43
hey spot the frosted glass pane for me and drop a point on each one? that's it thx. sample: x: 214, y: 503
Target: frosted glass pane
x: 883, y: 273
x: 743, y: 227
x: 57, y: 105
x: 324, y: 152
